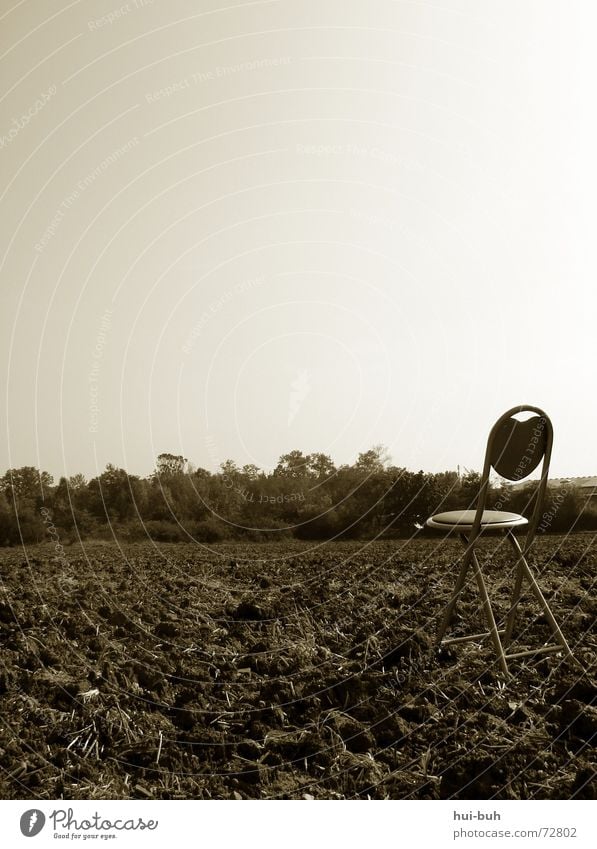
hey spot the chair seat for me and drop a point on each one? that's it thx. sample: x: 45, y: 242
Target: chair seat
x: 463, y: 520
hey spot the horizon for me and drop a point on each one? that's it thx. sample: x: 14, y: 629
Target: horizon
x: 460, y: 471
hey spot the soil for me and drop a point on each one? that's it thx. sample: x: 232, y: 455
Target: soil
x: 289, y: 671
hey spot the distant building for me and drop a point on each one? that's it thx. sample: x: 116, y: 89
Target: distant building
x: 586, y: 486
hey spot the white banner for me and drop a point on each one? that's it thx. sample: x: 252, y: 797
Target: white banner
x: 276, y: 824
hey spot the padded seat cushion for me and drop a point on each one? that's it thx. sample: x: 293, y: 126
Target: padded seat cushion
x: 457, y: 518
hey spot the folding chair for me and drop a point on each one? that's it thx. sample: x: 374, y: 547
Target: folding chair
x: 514, y: 450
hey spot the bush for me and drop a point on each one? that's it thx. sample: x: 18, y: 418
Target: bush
x: 162, y: 531
x: 210, y: 530
x: 277, y: 531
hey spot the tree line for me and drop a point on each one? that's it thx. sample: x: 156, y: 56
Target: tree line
x: 306, y: 496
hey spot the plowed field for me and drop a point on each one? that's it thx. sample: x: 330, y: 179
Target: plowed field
x: 288, y: 671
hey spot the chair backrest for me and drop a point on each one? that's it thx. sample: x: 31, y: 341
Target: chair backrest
x: 515, y: 449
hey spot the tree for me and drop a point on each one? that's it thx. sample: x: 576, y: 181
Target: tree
x: 26, y: 484
x: 62, y: 505
x: 444, y: 492
x: 408, y: 500
x: 26, y: 491
x: 7, y: 524
x: 170, y: 464
x: 77, y: 483
x: 320, y: 465
x: 251, y: 471
x: 292, y: 465
x: 469, y: 487
x: 115, y: 495
x: 229, y: 469
x: 373, y: 460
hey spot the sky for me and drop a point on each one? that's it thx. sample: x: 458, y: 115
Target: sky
x: 231, y: 231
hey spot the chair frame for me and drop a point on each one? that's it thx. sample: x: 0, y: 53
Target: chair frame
x: 521, y: 553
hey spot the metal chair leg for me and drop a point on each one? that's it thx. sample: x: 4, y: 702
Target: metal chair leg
x: 517, y: 592
x: 546, y: 609
x: 523, y: 572
x: 460, y: 582
x: 541, y: 598
x: 493, y: 630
